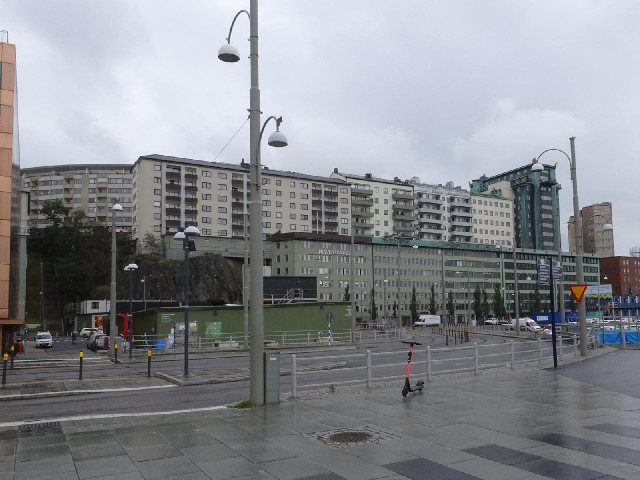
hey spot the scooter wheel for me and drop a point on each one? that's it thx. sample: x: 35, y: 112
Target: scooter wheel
x: 405, y: 390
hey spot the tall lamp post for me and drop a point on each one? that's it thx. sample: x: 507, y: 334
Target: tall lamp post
x: 188, y: 245
x: 113, y: 329
x: 582, y: 313
x: 468, y: 297
x: 228, y: 53
x: 144, y: 290
x: 132, y: 267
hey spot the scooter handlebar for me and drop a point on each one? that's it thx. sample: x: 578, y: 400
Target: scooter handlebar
x: 411, y: 342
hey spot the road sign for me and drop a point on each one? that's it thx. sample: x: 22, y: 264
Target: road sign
x: 544, y: 271
x: 557, y: 270
x: 578, y: 291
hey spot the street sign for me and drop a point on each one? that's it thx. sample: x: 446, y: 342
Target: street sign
x: 557, y: 270
x: 578, y: 291
x: 544, y: 271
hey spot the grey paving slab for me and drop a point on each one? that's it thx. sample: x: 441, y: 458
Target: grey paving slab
x: 100, y: 467
x: 227, y: 468
x: 624, y: 430
x: 293, y: 469
x: 166, y: 467
x: 203, y: 453
x: 420, y: 469
x: 103, y: 450
x: 600, y: 449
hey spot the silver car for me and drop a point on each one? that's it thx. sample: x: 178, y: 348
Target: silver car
x: 44, y: 340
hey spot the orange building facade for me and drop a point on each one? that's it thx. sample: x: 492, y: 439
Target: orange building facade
x: 10, y: 200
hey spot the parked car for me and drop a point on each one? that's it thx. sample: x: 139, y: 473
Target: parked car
x: 101, y: 342
x: 92, y: 339
x: 44, y: 340
x: 86, y: 332
x: 492, y: 321
x: 428, y: 321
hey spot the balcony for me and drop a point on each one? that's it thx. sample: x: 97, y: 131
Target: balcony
x: 403, y: 206
x: 172, y: 223
x: 172, y: 175
x: 362, y: 202
x: 172, y: 211
x: 191, y: 188
x: 434, y: 221
x: 403, y: 228
x: 237, y: 182
x: 328, y: 213
x: 460, y: 202
x: 172, y: 186
x: 172, y: 196
x: 401, y: 217
x: 190, y: 212
x: 429, y: 209
x: 361, y: 191
x: 331, y: 224
x: 361, y: 223
x: 191, y: 177
x: 461, y: 234
x: 330, y: 203
x: 330, y: 193
x: 433, y: 201
x: 191, y: 200
x: 402, y: 196
x: 361, y: 213
x: 461, y: 222
x: 433, y: 230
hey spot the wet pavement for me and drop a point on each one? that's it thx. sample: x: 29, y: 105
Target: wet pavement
x: 581, y: 421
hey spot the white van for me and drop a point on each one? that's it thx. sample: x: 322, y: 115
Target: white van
x: 428, y: 321
x: 528, y: 325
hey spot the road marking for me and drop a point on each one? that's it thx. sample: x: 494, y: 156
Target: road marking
x: 109, y: 415
x: 79, y: 392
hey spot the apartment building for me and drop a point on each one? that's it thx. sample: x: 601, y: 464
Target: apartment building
x: 595, y: 239
x: 13, y: 257
x: 380, y: 207
x: 171, y: 193
x: 492, y: 219
x: 443, y: 212
x: 535, y: 203
x: 623, y: 273
x: 91, y: 188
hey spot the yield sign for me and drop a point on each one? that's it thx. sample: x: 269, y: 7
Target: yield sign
x: 578, y: 291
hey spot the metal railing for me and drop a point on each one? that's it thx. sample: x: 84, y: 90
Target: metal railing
x: 368, y: 368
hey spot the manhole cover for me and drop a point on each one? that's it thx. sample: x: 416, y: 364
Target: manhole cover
x: 38, y: 429
x: 31, y: 388
x: 350, y: 437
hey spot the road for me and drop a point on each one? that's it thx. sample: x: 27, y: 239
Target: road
x: 318, y: 367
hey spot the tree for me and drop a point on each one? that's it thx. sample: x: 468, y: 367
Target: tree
x: 477, y: 303
x: 432, y: 301
x: 374, y: 307
x: 152, y: 244
x: 536, y: 302
x: 347, y: 296
x: 55, y: 211
x: 413, y: 306
x: 450, y: 307
x: 498, y: 302
x: 572, y: 303
x: 485, y: 304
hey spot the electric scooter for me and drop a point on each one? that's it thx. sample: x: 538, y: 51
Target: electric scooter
x: 407, y: 385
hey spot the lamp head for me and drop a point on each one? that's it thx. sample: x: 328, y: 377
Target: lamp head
x: 131, y: 266
x: 228, y: 53
x: 537, y: 167
x: 278, y: 139
x: 179, y: 236
x: 116, y: 207
x: 607, y: 227
x: 192, y: 231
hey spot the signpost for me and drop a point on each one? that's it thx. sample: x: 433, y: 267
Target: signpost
x: 548, y: 271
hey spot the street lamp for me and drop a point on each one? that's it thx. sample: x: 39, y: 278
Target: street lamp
x: 384, y: 300
x: 132, y: 267
x: 144, y: 290
x: 582, y: 313
x: 228, y: 53
x: 468, y: 297
x: 113, y: 329
x: 188, y: 245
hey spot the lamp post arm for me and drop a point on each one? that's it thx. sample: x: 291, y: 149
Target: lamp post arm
x: 234, y: 21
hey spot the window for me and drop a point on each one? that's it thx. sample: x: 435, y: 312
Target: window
x: 206, y: 173
x: 304, y: 185
x: 156, y: 204
x: 278, y: 193
x: 344, y: 190
x: 266, y: 213
x: 292, y: 184
x: 206, y: 208
x: 222, y: 221
x: 156, y: 179
x: 266, y: 224
x: 156, y: 191
x: 304, y: 206
x: 222, y: 186
x: 292, y: 226
x: 292, y: 205
x: 266, y: 191
x: 222, y: 198
x: 206, y: 196
x: 278, y: 214
x: 206, y: 219
x: 222, y: 175
x: 292, y: 216
x: 156, y: 216
x: 304, y: 195
x: 206, y: 184
x: 156, y: 167
x: 278, y: 182
x: 266, y: 203
x: 221, y: 209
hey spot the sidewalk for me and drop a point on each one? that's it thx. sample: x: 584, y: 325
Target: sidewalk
x: 502, y: 425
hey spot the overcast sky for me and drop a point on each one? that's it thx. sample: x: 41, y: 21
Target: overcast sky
x: 442, y: 90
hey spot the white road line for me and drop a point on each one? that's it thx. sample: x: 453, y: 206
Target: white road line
x: 108, y: 415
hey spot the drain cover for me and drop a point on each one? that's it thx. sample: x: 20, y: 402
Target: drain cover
x: 39, y: 429
x: 349, y: 437
x: 31, y: 388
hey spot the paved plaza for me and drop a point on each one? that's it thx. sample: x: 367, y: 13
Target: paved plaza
x: 581, y: 421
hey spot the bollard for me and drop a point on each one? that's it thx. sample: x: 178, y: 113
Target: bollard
x: 294, y: 376
x: 539, y: 351
x: 513, y: 355
x: 455, y: 338
x: 369, y: 382
x: 115, y: 353
x: 428, y: 363
x: 148, y: 363
x: 475, y: 358
x: 81, y: 356
x: 13, y: 354
x: 4, y: 368
x: 446, y: 339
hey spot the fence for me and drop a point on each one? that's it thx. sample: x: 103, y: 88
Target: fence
x: 367, y: 367
x: 233, y: 340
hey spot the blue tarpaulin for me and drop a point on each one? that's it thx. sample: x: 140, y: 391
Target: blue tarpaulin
x: 613, y: 336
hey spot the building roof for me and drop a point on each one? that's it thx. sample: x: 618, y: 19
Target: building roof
x: 240, y: 167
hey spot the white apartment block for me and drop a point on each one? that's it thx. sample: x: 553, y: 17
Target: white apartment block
x: 89, y: 188
x: 443, y: 212
x: 492, y: 219
x: 380, y: 207
x: 171, y: 193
